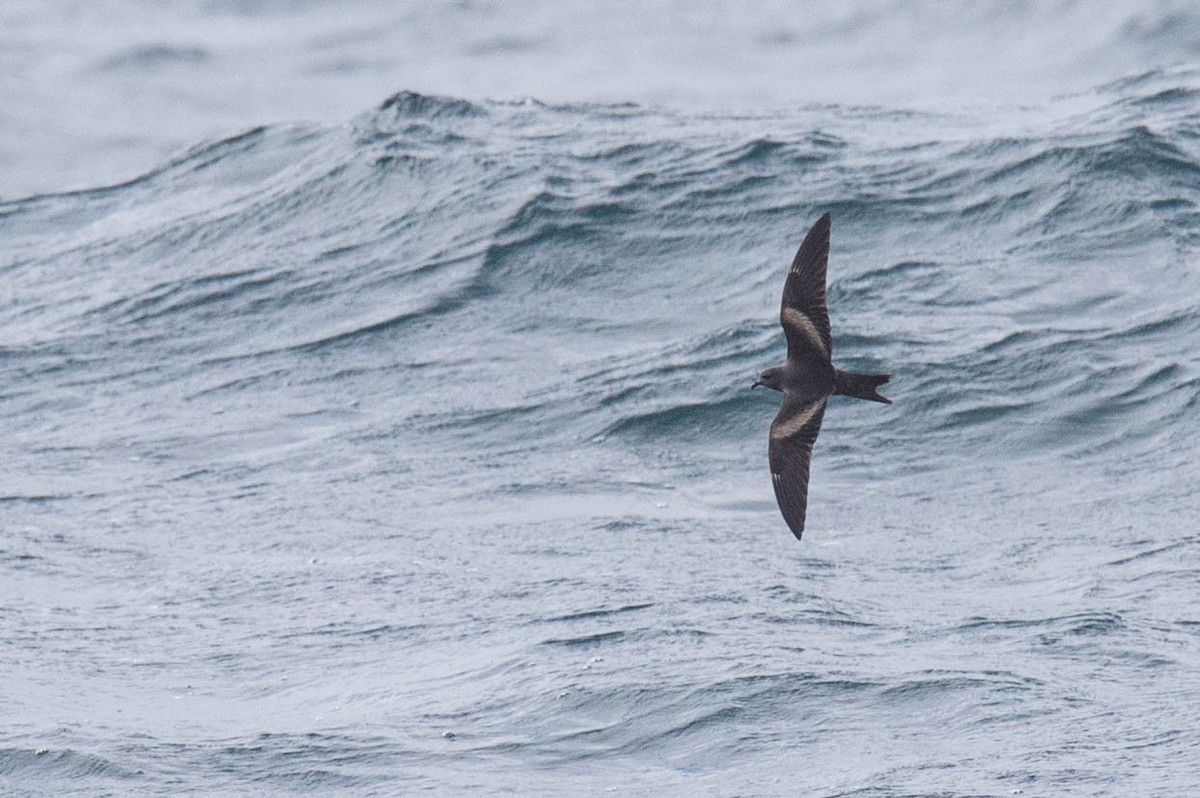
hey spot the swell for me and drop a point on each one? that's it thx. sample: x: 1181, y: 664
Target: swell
x: 45, y: 765
x: 1016, y: 285
x: 231, y: 265
x: 729, y: 717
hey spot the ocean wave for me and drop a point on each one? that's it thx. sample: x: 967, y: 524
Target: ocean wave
x: 60, y: 766
x: 522, y: 222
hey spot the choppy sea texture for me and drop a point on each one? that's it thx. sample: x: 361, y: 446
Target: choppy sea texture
x: 95, y: 93
x: 417, y: 454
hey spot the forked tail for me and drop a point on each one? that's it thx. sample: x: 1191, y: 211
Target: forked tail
x: 860, y: 386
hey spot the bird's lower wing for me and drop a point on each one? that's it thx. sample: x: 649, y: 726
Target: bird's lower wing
x: 793, y: 433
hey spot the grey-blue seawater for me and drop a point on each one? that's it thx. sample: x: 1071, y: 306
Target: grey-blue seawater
x: 416, y: 454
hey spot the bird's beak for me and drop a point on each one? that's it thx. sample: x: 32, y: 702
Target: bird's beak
x: 755, y: 385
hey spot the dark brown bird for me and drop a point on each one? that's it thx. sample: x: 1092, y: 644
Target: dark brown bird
x: 808, y: 377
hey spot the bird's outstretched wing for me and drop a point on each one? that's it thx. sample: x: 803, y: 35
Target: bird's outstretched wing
x: 793, y: 433
x: 804, y: 316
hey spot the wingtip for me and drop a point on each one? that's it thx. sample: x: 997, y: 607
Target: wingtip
x: 821, y: 228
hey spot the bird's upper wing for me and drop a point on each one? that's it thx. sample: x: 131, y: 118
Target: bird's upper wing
x: 793, y: 433
x: 804, y: 317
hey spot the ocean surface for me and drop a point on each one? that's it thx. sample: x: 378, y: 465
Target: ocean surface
x: 381, y: 425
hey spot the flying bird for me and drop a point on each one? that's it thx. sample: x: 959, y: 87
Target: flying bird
x: 808, y: 377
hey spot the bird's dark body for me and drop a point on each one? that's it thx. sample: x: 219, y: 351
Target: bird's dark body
x: 808, y: 377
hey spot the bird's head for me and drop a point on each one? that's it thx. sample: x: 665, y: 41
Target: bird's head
x: 771, y: 378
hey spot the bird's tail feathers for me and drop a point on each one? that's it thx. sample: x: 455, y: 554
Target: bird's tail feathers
x: 860, y: 386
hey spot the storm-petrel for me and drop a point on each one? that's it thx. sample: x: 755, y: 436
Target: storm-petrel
x: 808, y: 377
